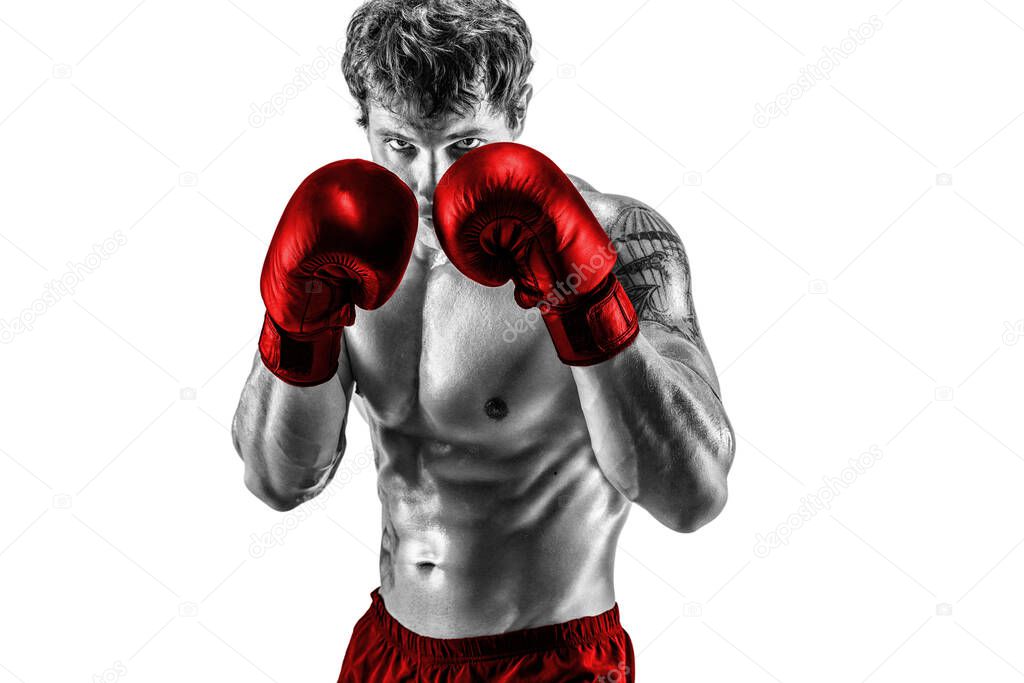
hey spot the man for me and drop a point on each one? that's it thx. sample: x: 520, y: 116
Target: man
x: 513, y: 424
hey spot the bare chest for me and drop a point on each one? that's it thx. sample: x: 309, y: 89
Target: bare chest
x: 452, y: 360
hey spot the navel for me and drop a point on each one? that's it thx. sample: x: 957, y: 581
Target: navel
x: 496, y: 408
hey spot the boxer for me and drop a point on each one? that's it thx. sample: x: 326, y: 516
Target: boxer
x: 524, y: 349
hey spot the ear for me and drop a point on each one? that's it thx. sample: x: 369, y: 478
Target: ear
x: 525, y: 95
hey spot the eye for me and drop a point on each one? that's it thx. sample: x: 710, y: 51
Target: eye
x: 473, y: 143
x: 396, y: 145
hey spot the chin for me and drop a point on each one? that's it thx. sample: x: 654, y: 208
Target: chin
x: 426, y: 236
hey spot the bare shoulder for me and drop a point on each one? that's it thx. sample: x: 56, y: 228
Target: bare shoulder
x: 627, y: 219
x: 581, y: 184
x: 652, y: 262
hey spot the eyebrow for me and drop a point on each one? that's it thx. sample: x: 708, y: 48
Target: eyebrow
x: 391, y: 133
x: 469, y: 132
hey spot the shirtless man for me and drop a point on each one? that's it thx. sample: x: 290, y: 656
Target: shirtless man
x: 508, y: 449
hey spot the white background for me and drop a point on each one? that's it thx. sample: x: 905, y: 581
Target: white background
x: 851, y: 298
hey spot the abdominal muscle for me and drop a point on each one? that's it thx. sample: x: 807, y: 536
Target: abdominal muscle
x: 477, y: 543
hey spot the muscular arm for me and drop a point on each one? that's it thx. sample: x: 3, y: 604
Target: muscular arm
x: 290, y: 438
x: 656, y: 420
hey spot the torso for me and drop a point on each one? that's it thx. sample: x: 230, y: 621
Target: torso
x: 496, y: 516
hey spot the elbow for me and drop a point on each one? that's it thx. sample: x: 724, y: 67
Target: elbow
x: 236, y: 435
x: 709, y: 500
x: 256, y: 477
x: 275, y: 500
x: 275, y: 483
x: 280, y: 504
x: 699, y: 511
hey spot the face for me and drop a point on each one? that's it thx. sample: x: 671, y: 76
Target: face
x: 420, y: 151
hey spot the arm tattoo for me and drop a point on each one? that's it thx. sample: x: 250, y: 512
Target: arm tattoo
x: 653, y: 269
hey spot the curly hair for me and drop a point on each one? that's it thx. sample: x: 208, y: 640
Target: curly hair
x: 433, y: 57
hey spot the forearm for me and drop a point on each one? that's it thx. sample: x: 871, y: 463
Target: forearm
x: 660, y: 434
x: 290, y: 438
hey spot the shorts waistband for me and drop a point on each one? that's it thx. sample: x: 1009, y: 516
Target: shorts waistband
x: 575, y: 632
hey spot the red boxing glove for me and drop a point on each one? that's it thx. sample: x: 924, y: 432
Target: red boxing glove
x: 344, y: 239
x: 505, y: 211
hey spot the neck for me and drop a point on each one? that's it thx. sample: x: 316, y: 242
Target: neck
x: 426, y: 248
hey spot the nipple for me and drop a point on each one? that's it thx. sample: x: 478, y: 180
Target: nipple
x: 496, y: 408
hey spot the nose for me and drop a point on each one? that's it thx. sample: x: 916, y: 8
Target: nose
x: 426, y: 175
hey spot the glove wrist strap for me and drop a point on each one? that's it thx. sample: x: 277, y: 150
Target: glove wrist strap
x: 596, y: 328
x: 301, y: 361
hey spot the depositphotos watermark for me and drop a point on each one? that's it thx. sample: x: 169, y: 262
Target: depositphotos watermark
x: 276, y: 534
x: 811, y: 74
x: 813, y: 503
x: 112, y: 673
x: 532, y: 317
x: 55, y: 290
x: 307, y: 74
x: 620, y: 674
x: 1013, y: 332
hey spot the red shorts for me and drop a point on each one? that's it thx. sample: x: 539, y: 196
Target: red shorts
x: 594, y: 648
